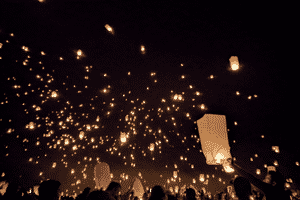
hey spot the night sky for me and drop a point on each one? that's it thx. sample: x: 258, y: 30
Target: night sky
x: 192, y: 39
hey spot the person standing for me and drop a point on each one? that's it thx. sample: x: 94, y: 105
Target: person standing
x: 274, y: 186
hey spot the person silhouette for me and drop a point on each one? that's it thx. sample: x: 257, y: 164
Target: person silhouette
x: 273, y: 188
x: 242, y: 188
x: 49, y: 190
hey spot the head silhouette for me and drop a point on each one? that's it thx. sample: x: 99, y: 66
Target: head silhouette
x: 242, y: 187
x: 49, y: 190
x: 114, y: 188
x: 190, y: 193
x: 277, y: 178
x: 157, y: 192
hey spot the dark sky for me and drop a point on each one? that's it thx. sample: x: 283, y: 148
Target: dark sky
x: 203, y: 36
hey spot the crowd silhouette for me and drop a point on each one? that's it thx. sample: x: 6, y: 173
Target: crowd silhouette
x: 271, y: 189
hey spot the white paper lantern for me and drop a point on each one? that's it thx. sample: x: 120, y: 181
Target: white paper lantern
x: 3, y: 187
x: 214, y: 140
x: 152, y: 147
x: 258, y: 171
x: 175, y: 174
x: 123, y: 137
x: 138, y: 188
x: 176, y: 189
x: 36, y: 190
x: 271, y: 168
x: 275, y: 148
x: 102, y: 175
x: 201, y: 177
x: 234, y: 62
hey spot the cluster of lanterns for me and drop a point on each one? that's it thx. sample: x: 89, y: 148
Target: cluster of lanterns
x: 216, y: 158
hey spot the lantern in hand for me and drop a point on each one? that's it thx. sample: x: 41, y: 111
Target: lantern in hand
x: 214, y: 140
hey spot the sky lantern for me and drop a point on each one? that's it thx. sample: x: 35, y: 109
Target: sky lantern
x: 53, y: 94
x: 138, y: 188
x: 81, y: 135
x: 176, y: 189
x: 275, y: 148
x: 175, y: 174
x: 152, y: 147
x: 214, y: 140
x: 143, y: 51
x: 3, y: 187
x: 123, y: 137
x: 234, y: 63
x: 102, y: 175
x: 258, y: 171
x: 109, y: 29
x: 201, y: 177
x: 271, y: 168
x: 79, y: 52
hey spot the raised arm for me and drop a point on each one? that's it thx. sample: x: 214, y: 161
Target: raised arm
x: 252, y: 179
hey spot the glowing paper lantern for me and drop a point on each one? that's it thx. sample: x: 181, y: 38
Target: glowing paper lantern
x: 143, y: 51
x: 79, y: 52
x: 258, y: 171
x: 175, y: 174
x: 229, y: 190
x: 271, y: 168
x: 102, y: 175
x: 275, y: 148
x: 109, y: 29
x: 123, y: 137
x: 214, y: 141
x: 152, y: 147
x: 234, y: 62
x: 3, y: 187
x: 201, y: 177
x: 138, y: 188
x: 36, y: 190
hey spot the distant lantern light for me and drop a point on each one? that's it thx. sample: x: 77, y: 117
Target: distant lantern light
x: 109, y: 29
x: 202, y: 106
x: 143, y: 51
x: 123, y: 137
x: 152, y: 147
x: 81, y: 135
x: 258, y: 171
x: 297, y: 163
x: 275, y: 148
x: 175, y: 174
x: 234, y: 63
x: 53, y: 94
x: 79, y: 52
x: 201, y: 177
